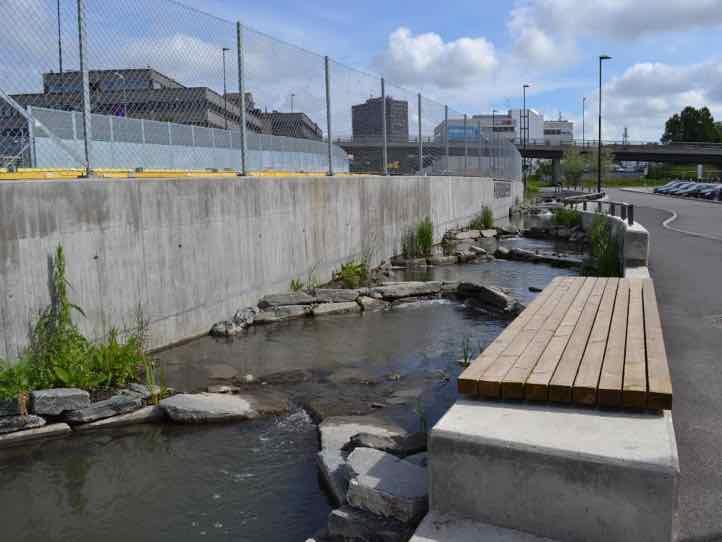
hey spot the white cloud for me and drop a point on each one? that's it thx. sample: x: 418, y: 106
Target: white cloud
x: 425, y: 58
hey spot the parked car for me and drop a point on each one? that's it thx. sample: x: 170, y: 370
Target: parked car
x: 707, y: 189
x: 690, y: 190
x: 715, y: 193
x: 668, y: 186
x: 681, y: 186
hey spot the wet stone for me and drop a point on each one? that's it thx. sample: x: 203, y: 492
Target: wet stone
x: 9, y: 407
x: 336, y: 308
x: 54, y: 402
x: 398, y: 445
x: 283, y: 300
x: 334, y: 473
x: 347, y: 523
x: 19, y: 423
x: 282, y: 313
x: 370, y: 304
x: 336, y: 295
x: 118, y: 404
x: 207, y: 407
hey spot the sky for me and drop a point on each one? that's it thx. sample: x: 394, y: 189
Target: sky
x: 474, y: 56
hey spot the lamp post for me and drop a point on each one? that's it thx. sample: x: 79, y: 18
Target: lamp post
x: 599, y: 141
x: 125, y: 96
x: 292, y: 97
x: 493, y: 140
x: 525, y: 133
x: 60, y: 51
x: 584, y: 102
x: 225, y: 97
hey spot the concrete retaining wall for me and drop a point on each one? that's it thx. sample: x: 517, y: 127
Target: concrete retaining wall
x: 190, y: 252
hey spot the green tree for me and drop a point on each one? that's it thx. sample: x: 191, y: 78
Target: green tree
x: 573, y: 165
x: 607, y: 161
x: 692, y: 124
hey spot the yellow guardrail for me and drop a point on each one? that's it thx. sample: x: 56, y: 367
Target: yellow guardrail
x: 30, y: 174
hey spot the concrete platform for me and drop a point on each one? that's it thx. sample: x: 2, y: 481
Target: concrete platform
x: 556, y: 472
x: 440, y: 528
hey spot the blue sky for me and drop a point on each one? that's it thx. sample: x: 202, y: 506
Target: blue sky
x: 552, y: 44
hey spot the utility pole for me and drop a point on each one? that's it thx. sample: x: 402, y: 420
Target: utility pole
x: 225, y: 93
x: 599, y: 141
x: 60, y: 52
x: 584, y: 102
x: 525, y: 134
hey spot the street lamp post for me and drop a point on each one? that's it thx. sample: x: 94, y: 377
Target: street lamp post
x: 493, y: 140
x: 60, y: 51
x: 525, y: 133
x: 225, y: 97
x: 125, y: 96
x: 584, y: 102
x: 599, y: 141
x: 292, y: 97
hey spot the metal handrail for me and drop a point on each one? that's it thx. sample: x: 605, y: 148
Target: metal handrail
x: 626, y: 210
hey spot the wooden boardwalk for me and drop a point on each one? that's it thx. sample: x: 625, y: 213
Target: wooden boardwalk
x: 590, y: 341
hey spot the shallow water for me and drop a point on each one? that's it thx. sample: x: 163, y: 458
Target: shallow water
x: 254, y: 481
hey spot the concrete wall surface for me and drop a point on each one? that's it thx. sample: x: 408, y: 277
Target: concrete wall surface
x: 189, y: 252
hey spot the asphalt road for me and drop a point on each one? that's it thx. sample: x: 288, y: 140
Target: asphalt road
x: 687, y: 272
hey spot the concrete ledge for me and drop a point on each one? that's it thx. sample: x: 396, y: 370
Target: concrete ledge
x: 633, y: 240
x: 556, y: 472
x: 442, y: 528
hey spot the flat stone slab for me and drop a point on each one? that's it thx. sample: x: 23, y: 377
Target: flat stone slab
x: 10, y: 424
x: 148, y: 414
x: 334, y: 473
x: 398, y: 445
x: 387, y: 486
x: 279, y: 314
x: 54, y: 402
x: 207, y: 407
x: 145, y: 391
x: 349, y: 523
x: 336, y: 431
x: 468, y: 234
x: 370, y: 304
x: 325, y: 309
x: 562, y: 473
x: 442, y: 528
x: 442, y: 260
x: 20, y: 438
x: 408, y: 289
x: 336, y: 295
x: 281, y: 300
x: 488, y: 234
x: 118, y: 404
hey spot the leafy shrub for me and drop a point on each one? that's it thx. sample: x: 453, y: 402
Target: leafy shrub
x: 425, y: 236
x: 567, y: 217
x: 296, y: 285
x: 354, y: 274
x: 15, y: 380
x: 484, y: 220
x: 604, y: 259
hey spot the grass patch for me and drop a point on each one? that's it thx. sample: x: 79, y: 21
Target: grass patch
x: 604, y: 259
x: 354, y: 274
x: 484, y: 220
x: 425, y: 236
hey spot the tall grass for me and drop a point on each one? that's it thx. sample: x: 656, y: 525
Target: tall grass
x: 425, y: 236
x: 484, y: 220
x: 604, y: 259
x: 567, y: 217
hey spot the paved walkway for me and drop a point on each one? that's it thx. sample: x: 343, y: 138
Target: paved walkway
x: 687, y: 270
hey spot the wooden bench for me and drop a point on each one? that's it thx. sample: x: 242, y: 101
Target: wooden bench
x: 590, y: 341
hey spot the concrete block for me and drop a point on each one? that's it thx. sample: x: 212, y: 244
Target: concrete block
x: 21, y: 438
x: 325, y: 309
x: 556, y: 472
x: 443, y: 528
x: 334, y: 473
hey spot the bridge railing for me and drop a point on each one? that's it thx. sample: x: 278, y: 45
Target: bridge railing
x: 593, y: 202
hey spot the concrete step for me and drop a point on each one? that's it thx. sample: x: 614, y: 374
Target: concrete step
x: 556, y: 472
x: 442, y: 528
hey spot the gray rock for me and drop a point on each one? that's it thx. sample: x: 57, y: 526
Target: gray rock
x: 207, y: 407
x: 145, y: 391
x: 507, y: 230
x: 331, y: 295
x: 221, y: 371
x: 478, y: 250
x: 420, y: 459
x: 283, y: 300
x: 11, y: 424
x: 488, y: 234
x: 449, y: 287
x: 245, y: 317
x: 416, y: 262
x: 370, y: 304
x: 486, y: 294
x: 118, y: 404
x: 523, y: 255
x: 336, y: 431
x: 334, y: 473
x: 223, y: 388
x: 409, y: 289
x: 336, y: 308
x: 148, y: 414
x: 468, y: 234
x: 280, y: 314
x: 502, y: 252
x: 386, y: 485
x: 54, y: 402
x: 9, y: 407
x: 20, y: 438
x: 398, y: 445
x: 347, y: 523
x: 442, y: 260
x: 466, y: 256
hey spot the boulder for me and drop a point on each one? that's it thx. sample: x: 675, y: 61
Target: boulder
x: 466, y: 256
x: 223, y: 388
x: 245, y: 317
x: 493, y: 298
x: 523, y: 255
x: 507, y: 230
x: 336, y: 295
x: 478, y: 250
x: 442, y: 260
x: 370, y: 304
x: 449, y: 287
x: 279, y: 314
x: 386, y: 485
x: 336, y: 431
x: 468, y: 234
x: 420, y: 459
x: 148, y: 414
x: 283, y: 300
x: 347, y: 523
x: 336, y: 308
x: 488, y: 234
x: 54, y: 402
x: 225, y: 328
x: 502, y: 252
x: 145, y: 391
x: 9, y: 407
x: 334, y: 473
x: 416, y: 262
x: 20, y: 438
x: 10, y: 424
x: 398, y: 445
x: 118, y: 404
x: 207, y: 407
x: 409, y: 289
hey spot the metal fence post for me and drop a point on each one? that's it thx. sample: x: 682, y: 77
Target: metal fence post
x: 240, y: 51
x: 466, y: 148
x: 328, y: 116
x: 446, y: 138
x: 421, y: 144
x: 87, y: 121
x: 385, y: 151
x: 480, y: 146
x: 31, y: 136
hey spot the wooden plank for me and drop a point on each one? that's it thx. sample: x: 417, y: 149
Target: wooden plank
x: 512, y: 386
x: 490, y: 381
x: 468, y: 380
x: 536, y: 387
x: 587, y: 380
x: 634, y: 390
x: 609, y: 391
x: 560, y: 386
x: 659, y: 381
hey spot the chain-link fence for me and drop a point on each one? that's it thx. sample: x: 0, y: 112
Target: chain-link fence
x: 100, y: 85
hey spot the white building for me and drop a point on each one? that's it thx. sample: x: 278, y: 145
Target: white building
x: 557, y: 132
x: 506, y: 126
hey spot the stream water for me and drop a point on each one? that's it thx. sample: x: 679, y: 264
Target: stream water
x: 252, y: 481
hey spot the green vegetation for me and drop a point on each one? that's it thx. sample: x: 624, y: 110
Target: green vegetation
x: 532, y: 188
x: 60, y: 356
x: 484, y: 220
x: 425, y: 236
x: 296, y: 285
x: 354, y: 274
x: 311, y: 283
x: 692, y: 124
x: 466, y: 352
x: 567, y: 217
x: 604, y: 259
x: 573, y: 166
x: 409, y: 245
